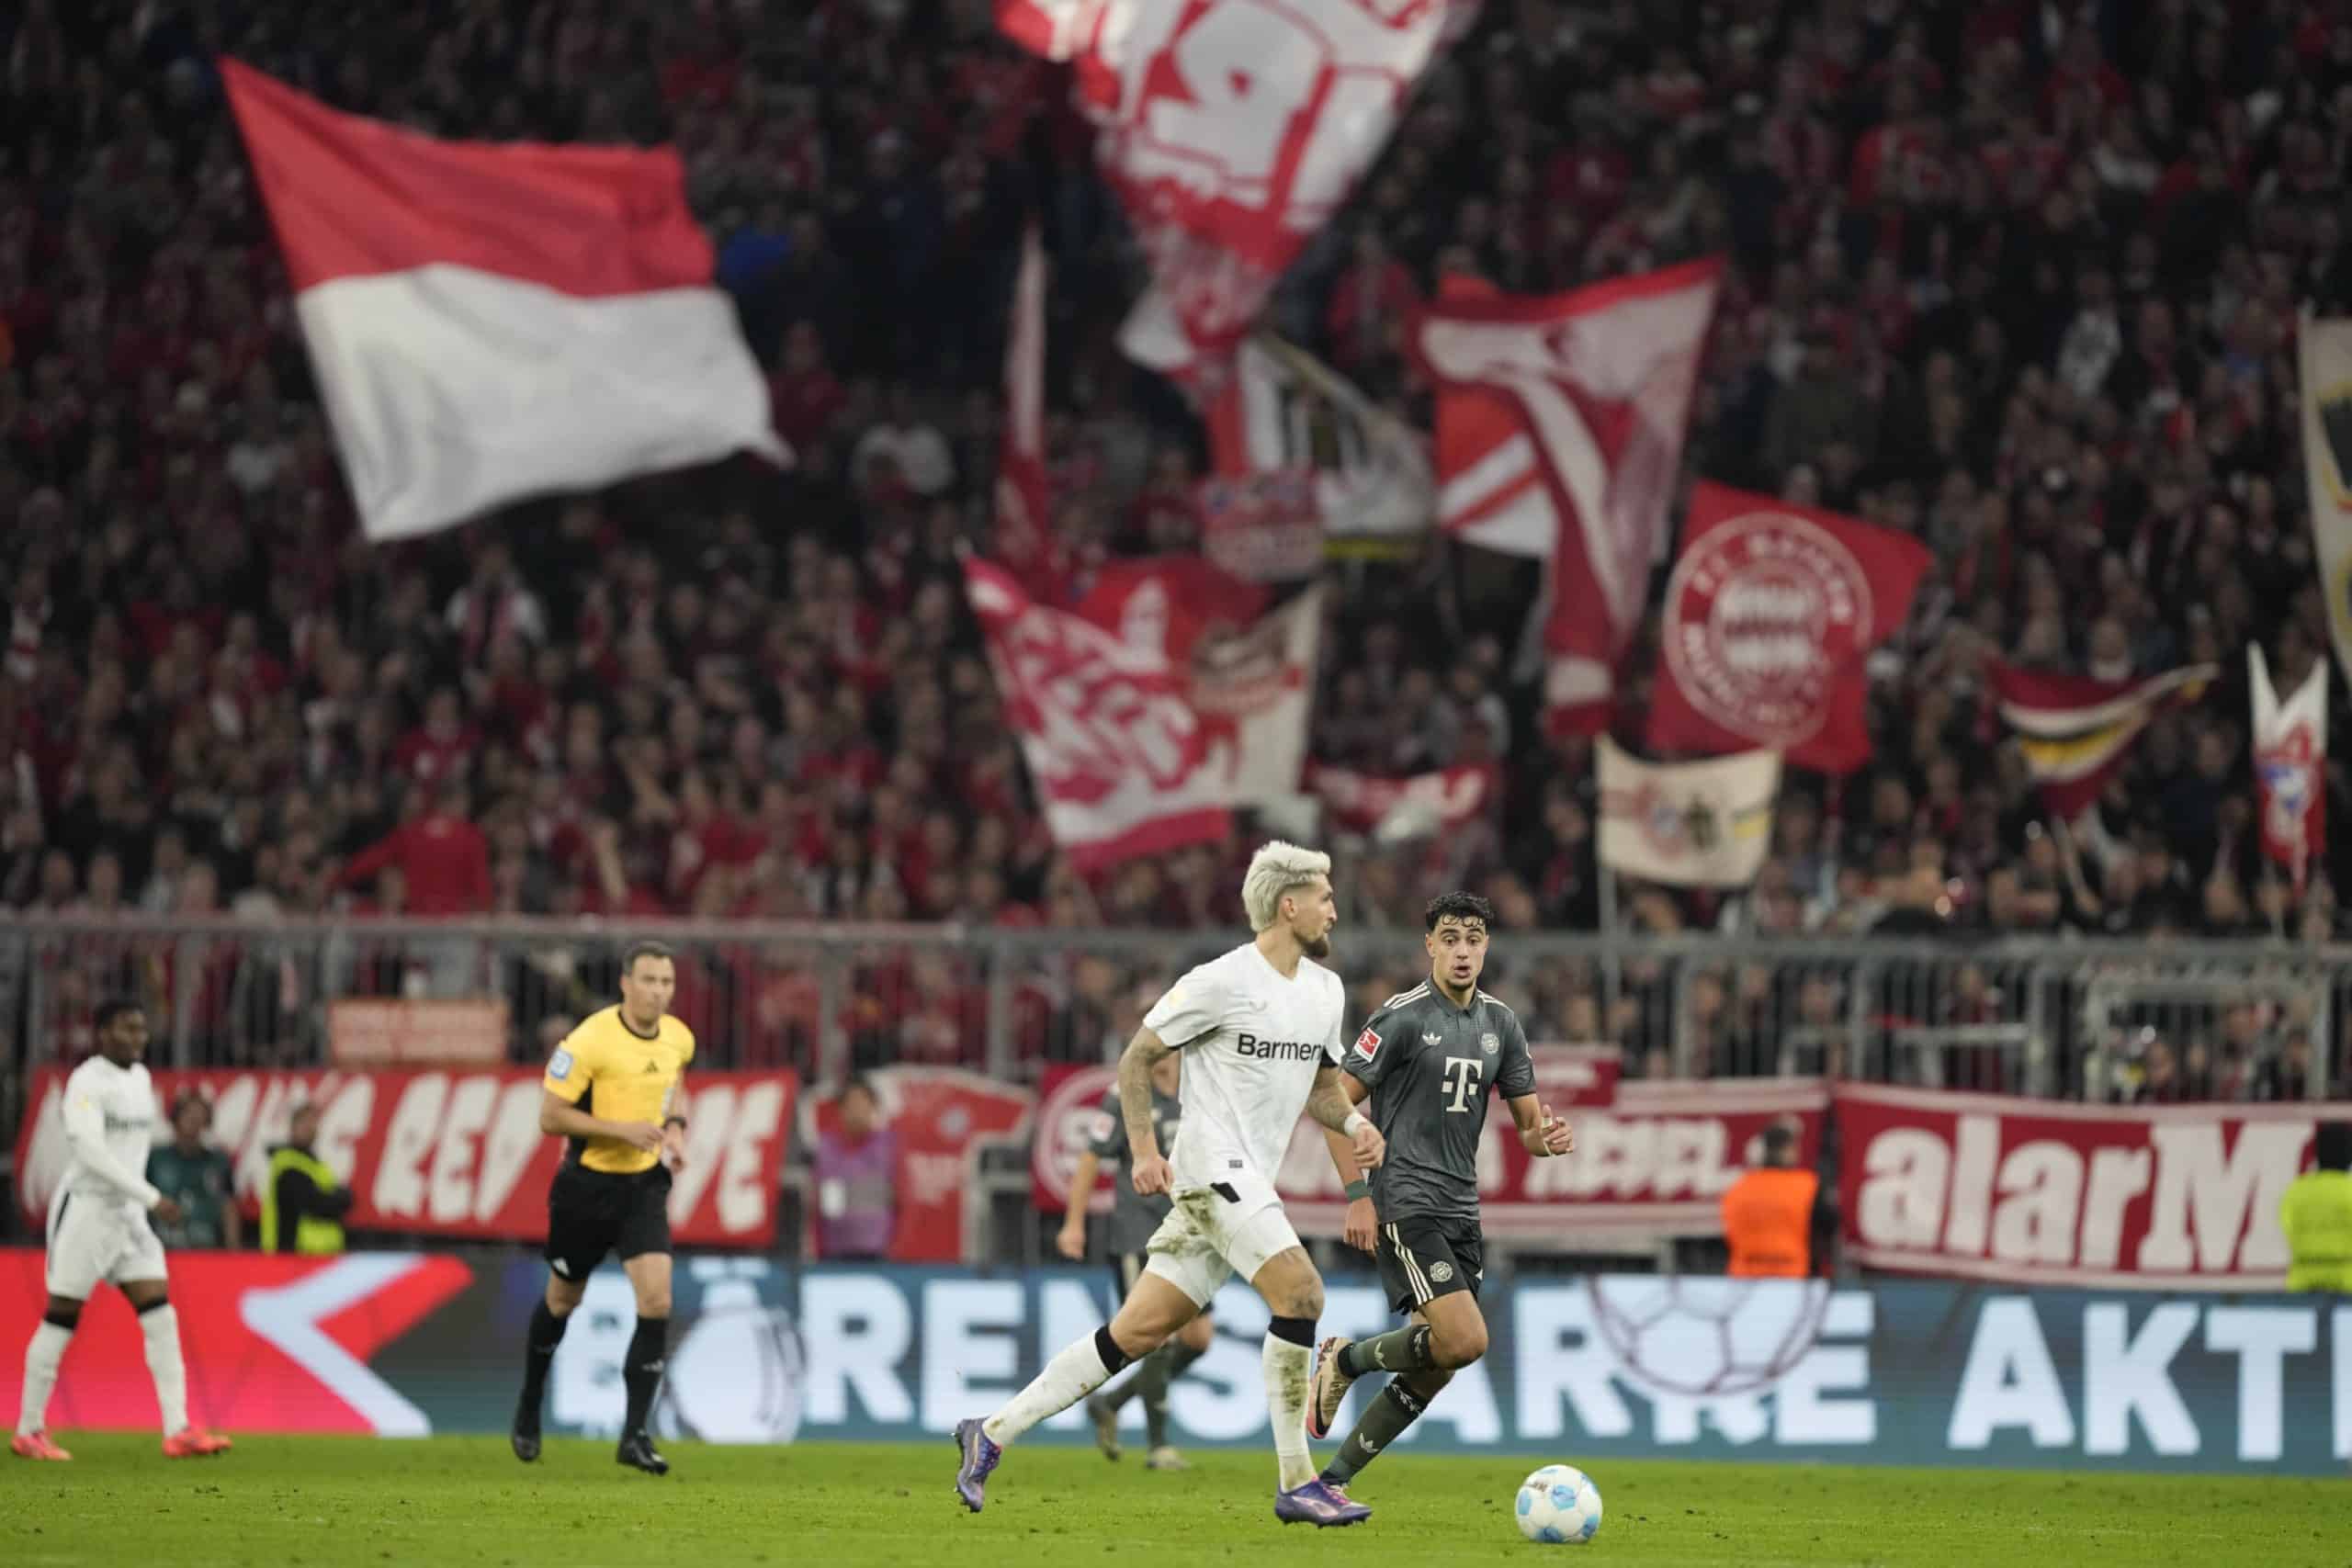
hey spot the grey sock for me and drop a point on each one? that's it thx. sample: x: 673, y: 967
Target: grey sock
x: 1405, y: 1350
x: 1394, y: 1408
x: 1153, y: 1379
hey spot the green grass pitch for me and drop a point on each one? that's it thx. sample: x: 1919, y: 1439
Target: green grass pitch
x: 279, y: 1501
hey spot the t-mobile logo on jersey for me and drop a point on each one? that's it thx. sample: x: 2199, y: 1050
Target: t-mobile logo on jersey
x: 1462, y: 1074
x: 1278, y: 1050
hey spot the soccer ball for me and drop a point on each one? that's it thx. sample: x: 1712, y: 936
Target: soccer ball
x: 1558, y: 1505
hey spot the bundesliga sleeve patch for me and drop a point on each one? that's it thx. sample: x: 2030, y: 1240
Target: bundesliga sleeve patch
x: 1367, y: 1043
x: 559, y: 1065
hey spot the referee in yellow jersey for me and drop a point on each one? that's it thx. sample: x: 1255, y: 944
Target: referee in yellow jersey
x: 614, y: 1089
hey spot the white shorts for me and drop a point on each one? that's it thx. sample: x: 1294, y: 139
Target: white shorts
x: 1218, y: 1231
x: 93, y: 1239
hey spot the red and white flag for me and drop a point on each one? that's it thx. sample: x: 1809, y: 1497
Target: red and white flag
x: 490, y: 322
x: 1158, y: 704
x: 1771, y: 617
x: 1025, y: 529
x: 1232, y: 130
x: 2291, y: 765
x: 1598, y: 381
x: 1407, y: 808
x: 2076, y: 732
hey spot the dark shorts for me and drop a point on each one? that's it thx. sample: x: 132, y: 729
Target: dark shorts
x: 592, y: 1213
x: 1422, y: 1258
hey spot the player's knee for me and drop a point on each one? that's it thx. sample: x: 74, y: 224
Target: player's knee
x: 1304, y: 1298
x: 653, y: 1304
x: 1458, y: 1344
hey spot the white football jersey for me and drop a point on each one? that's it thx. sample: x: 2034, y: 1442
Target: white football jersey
x: 1253, y: 1042
x: 109, y: 1127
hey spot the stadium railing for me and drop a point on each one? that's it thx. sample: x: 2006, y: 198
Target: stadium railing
x: 2069, y: 1018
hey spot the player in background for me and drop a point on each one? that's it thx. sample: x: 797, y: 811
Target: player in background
x: 1261, y: 1029
x: 1428, y: 1060
x: 613, y: 1087
x: 1134, y: 1218
x: 99, y: 1229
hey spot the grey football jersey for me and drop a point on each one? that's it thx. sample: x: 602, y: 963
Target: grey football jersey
x: 1133, y: 1216
x: 1430, y: 1067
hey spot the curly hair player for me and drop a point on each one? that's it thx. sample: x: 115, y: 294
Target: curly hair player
x: 1261, y: 1029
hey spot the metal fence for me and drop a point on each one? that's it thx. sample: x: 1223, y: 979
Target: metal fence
x: 2055, y: 1018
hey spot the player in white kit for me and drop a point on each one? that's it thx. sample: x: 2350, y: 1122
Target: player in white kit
x: 1262, y: 1030
x: 99, y: 1230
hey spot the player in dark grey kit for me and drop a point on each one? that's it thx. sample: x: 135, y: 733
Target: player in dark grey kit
x: 1134, y: 1218
x: 1428, y: 1060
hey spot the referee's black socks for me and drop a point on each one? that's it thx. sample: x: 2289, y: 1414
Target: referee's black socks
x: 539, y: 1354
x: 648, y: 1350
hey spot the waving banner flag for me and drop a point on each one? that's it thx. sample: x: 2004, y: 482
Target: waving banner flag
x: 1232, y: 130
x: 1771, y: 617
x: 1160, y: 702
x: 2291, y: 765
x: 1690, y: 824
x: 1024, y: 526
x: 1392, y: 807
x: 2076, y: 732
x: 2324, y: 350
x: 1599, y: 380
x: 490, y: 322
x: 1291, y: 438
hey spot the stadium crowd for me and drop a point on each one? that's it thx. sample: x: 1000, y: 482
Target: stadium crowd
x: 2018, y: 278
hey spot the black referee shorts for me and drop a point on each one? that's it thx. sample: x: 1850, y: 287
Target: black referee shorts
x: 1422, y: 1258
x: 592, y: 1213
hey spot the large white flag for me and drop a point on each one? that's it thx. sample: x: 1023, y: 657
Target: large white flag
x: 2291, y: 764
x: 1690, y: 824
x: 490, y: 321
x: 2326, y: 353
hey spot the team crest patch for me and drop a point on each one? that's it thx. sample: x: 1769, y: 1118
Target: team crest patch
x: 1367, y: 1045
x: 1440, y: 1272
x: 1489, y: 1043
x: 559, y: 1065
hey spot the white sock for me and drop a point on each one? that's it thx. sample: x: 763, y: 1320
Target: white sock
x: 1067, y: 1378
x: 162, y: 1328
x: 42, y: 1358
x: 1289, y: 1369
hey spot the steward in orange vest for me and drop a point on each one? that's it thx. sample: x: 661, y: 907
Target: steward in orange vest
x: 1774, y: 1214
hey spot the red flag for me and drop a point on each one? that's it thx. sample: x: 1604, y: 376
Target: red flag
x: 1444, y: 800
x: 1601, y: 380
x: 1769, y: 617
x: 494, y: 320
x: 1232, y: 130
x: 1162, y: 701
x: 1025, y: 530
x: 2076, y: 732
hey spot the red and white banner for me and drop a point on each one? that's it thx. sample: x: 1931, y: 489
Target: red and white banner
x: 1291, y: 437
x: 2077, y: 732
x: 1261, y: 527
x: 1232, y: 130
x: 940, y: 1119
x: 1601, y: 380
x: 490, y: 321
x: 1025, y: 541
x: 456, y: 1154
x: 1648, y: 1155
x: 2291, y: 765
x: 1409, y: 808
x: 1706, y: 824
x: 272, y: 1344
x: 1771, y: 616
x: 1163, y: 700
x: 2043, y: 1192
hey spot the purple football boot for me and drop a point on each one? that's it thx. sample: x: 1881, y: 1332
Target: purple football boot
x: 1320, y: 1504
x: 980, y: 1457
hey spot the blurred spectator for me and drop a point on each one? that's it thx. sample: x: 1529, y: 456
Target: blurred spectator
x: 2315, y: 1215
x: 856, y: 1168
x: 303, y: 1205
x: 198, y: 1176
